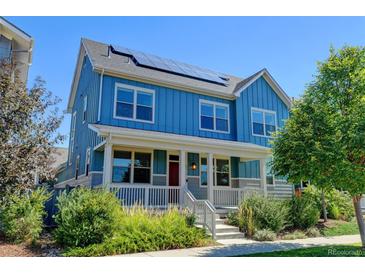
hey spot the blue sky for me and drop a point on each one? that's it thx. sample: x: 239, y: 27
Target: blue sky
x: 288, y: 47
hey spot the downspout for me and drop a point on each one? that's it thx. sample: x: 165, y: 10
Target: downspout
x: 100, y: 91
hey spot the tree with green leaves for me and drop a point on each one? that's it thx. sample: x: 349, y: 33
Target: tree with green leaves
x: 323, y: 141
x: 29, y: 120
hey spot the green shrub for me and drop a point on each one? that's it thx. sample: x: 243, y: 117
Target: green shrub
x: 190, y: 218
x: 313, y: 232
x: 232, y: 218
x: 338, y: 203
x: 303, y: 212
x: 86, y: 216
x: 245, y: 220
x: 296, y: 234
x: 21, y: 215
x: 143, y: 231
x: 264, y: 235
x: 267, y: 213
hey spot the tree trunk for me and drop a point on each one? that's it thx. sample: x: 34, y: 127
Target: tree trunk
x: 359, y: 218
x: 324, y: 209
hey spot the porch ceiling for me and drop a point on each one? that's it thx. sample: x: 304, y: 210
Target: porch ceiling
x: 166, y: 141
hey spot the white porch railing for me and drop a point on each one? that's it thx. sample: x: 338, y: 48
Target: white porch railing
x: 232, y: 197
x: 202, y: 209
x: 149, y: 196
x: 227, y: 197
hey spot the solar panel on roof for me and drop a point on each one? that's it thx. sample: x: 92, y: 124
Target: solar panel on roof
x: 171, y: 66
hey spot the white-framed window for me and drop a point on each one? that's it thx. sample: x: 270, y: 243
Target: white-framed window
x: 134, y: 103
x: 263, y: 122
x: 72, y: 137
x: 87, y: 162
x: 203, y: 171
x: 221, y: 172
x: 132, y: 167
x: 84, y: 112
x: 213, y: 116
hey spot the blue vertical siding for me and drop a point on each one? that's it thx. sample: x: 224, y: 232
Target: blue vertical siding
x: 259, y: 95
x: 249, y: 169
x: 159, y: 161
x: 176, y: 111
x: 84, y: 137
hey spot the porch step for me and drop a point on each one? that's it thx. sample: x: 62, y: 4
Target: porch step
x: 223, y: 228
x: 229, y: 235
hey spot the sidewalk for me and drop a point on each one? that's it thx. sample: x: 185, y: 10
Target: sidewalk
x: 242, y: 246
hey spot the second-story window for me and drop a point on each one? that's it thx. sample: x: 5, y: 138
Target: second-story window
x: 84, y: 113
x: 214, y: 116
x: 263, y: 122
x: 133, y: 103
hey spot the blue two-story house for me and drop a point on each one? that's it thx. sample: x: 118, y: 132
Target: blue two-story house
x: 156, y: 129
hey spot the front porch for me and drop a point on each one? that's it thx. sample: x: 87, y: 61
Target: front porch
x: 156, y: 170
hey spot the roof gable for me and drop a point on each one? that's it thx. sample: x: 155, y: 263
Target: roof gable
x: 243, y: 85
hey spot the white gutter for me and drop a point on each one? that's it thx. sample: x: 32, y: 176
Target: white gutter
x: 100, y: 93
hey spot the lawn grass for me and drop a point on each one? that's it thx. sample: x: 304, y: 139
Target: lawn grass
x: 321, y: 251
x: 338, y: 228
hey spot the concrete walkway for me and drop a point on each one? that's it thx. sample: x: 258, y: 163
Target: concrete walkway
x: 237, y: 247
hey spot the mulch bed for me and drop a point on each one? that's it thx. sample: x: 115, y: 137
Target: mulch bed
x: 45, y: 247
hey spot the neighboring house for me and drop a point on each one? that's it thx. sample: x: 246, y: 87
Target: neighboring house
x: 162, y: 132
x: 16, y: 46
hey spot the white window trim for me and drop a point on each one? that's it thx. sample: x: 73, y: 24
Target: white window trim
x: 263, y: 111
x: 131, y: 179
x: 215, y: 171
x: 84, y: 110
x: 200, y: 170
x: 203, y: 101
x: 72, y: 137
x: 135, y: 90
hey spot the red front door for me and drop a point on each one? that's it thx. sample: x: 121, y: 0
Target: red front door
x: 173, y: 174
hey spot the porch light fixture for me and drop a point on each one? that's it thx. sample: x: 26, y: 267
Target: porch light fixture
x: 193, y: 166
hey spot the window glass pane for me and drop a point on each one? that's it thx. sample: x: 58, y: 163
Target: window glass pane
x: 144, y: 98
x: 269, y: 129
x: 270, y: 180
x: 122, y: 158
x: 222, y: 179
x: 125, y: 95
x: 142, y: 175
x: 270, y: 119
x: 207, y: 110
x: 257, y: 117
x: 142, y: 159
x: 124, y: 110
x: 204, y: 178
x: 221, y: 125
x: 221, y: 112
x: 204, y: 165
x: 144, y: 113
x: 222, y: 165
x: 207, y: 122
x: 121, y: 174
x: 174, y: 157
x: 258, y: 128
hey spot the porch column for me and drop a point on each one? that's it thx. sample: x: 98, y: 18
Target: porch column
x: 107, y: 167
x: 210, y: 178
x: 263, y: 176
x: 182, y: 175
